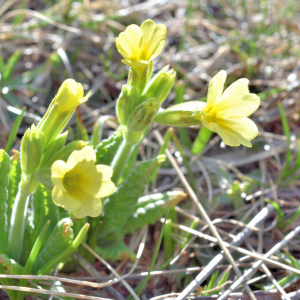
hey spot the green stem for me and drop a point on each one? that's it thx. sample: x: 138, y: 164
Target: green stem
x: 119, y: 162
x: 18, y: 215
x: 17, y: 226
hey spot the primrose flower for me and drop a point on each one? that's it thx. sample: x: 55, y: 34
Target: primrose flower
x: 79, y: 183
x: 69, y: 96
x: 140, y: 45
x: 226, y: 112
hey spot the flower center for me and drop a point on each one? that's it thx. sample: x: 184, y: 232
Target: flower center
x: 71, y: 182
x: 209, y: 115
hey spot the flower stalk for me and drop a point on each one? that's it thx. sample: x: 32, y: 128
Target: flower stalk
x: 121, y: 158
x: 17, y: 222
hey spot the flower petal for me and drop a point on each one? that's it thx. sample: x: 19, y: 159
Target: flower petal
x: 91, y: 206
x: 106, y: 171
x: 129, y: 40
x: 153, y: 39
x: 234, y: 92
x: 138, y: 66
x: 64, y: 199
x: 236, y: 130
x: 58, y: 171
x: 91, y: 180
x: 215, y: 89
x: 86, y: 155
x: 107, y: 188
x: 246, y: 105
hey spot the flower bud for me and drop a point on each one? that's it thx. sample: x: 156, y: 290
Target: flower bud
x: 183, y: 114
x: 161, y: 84
x: 69, y: 96
x: 126, y: 103
x: 52, y: 149
x: 31, y: 149
x: 142, y: 115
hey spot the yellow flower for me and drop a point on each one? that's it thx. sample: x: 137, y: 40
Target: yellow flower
x: 140, y: 45
x: 226, y: 112
x: 79, y: 183
x: 69, y: 96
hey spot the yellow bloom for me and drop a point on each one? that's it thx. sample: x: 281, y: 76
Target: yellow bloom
x: 140, y: 45
x: 69, y: 96
x: 79, y: 183
x: 226, y: 112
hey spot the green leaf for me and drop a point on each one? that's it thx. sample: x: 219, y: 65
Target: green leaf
x: 60, y: 239
x: 11, y: 266
x: 120, y: 205
x: 66, y: 252
x: 212, y: 281
x: 279, y: 212
x: 31, y: 259
x: 149, y: 208
x: 4, y: 171
x: 289, y: 153
x: 52, y: 149
x: 115, y: 251
x: 222, y: 281
x: 107, y: 149
x: 98, y: 129
x: 43, y: 209
x: 14, y: 131
x: 11, y: 65
x: 81, y: 130
x: 7, y: 281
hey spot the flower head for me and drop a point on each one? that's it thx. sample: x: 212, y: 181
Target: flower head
x: 226, y: 112
x: 69, y: 96
x: 79, y: 183
x: 140, y: 45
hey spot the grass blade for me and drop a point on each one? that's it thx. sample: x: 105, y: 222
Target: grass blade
x: 143, y: 283
x: 14, y: 131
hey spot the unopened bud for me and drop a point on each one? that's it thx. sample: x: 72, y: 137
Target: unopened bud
x: 161, y: 84
x: 31, y: 149
x: 69, y: 96
x: 126, y: 103
x: 142, y: 115
x: 183, y: 114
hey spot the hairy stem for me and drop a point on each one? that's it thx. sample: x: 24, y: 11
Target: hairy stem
x: 17, y: 226
x: 17, y: 221
x: 119, y: 162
